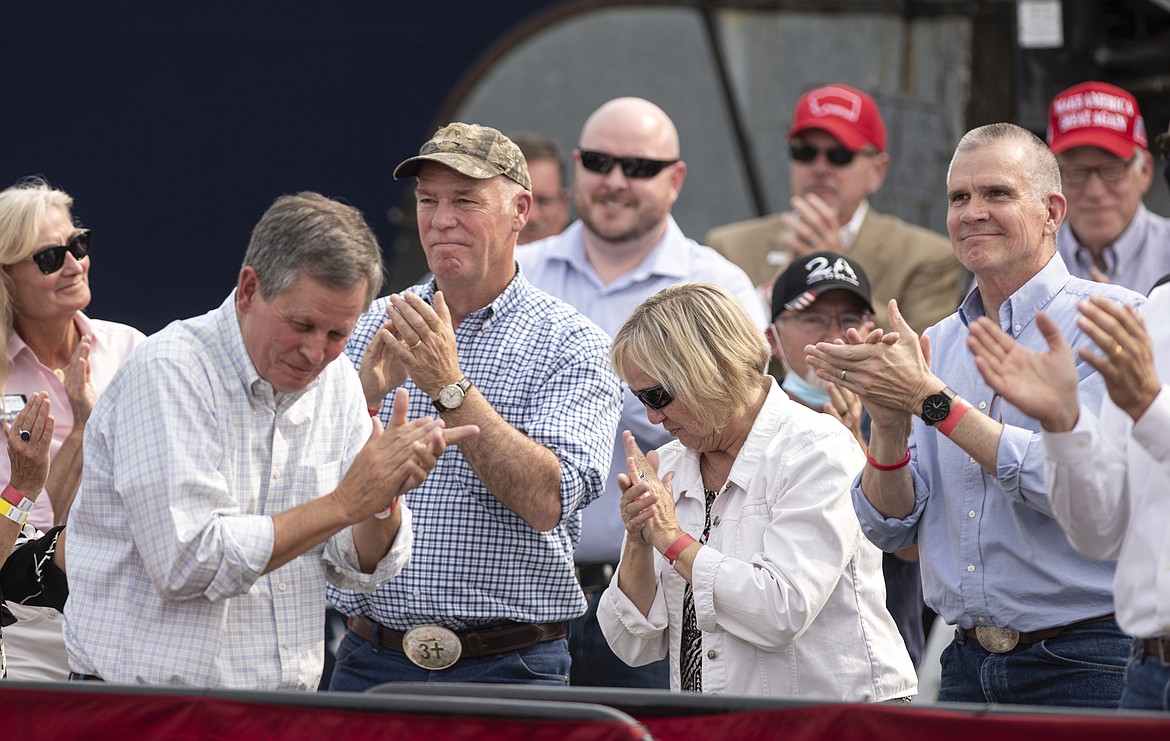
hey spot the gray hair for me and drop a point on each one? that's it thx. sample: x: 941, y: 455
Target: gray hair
x: 1041, y: 171
x: 324, y: 239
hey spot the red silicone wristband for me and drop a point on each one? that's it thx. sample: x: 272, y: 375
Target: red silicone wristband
x: 890, y: 466
x: 677, y: 547
x: 373, y: 412
x: 957, y: 411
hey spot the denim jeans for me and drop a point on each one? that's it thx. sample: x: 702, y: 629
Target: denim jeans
x: 362, y: 664
x: 1082, y: 667
x: 595, y: 665
x: 1147, y: 684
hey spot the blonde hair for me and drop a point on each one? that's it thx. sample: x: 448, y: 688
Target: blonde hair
x: 698, y: 341
x: 22, y: 209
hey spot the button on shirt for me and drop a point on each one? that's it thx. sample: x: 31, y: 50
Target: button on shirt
x: 189, y: 454
x: 1136, y: 259
x: 112, y: 344
x: 559, y: 266
x: 1009, y: 564
x: 1109, y: 483
x: 544, y: 368
x: 788, y: 593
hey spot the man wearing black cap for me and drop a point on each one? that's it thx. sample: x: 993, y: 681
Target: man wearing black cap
x: 816, y: 299
x: 490, y: 583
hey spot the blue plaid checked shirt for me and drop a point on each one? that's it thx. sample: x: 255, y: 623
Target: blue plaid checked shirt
x: 544, y: 368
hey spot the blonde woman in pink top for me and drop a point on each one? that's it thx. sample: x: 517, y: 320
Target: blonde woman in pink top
x: 49, y: 345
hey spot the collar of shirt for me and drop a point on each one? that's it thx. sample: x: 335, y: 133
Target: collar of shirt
x: 849, y: 230
x: 664, y: 260
x: 1022, y: 306
x: 16, y: 343
x: 1134, y: 260
x: 509, y: 299
x: 260, y: 392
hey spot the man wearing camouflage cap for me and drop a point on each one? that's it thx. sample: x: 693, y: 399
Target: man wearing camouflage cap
x: 490, y: 583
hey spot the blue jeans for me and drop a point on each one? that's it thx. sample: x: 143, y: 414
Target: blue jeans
x: 595, y: 665
x: 1147, y: 684
x: 362, y: 664
x: 1082, y: 667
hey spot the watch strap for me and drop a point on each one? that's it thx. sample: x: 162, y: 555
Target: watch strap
x: 464, y: 385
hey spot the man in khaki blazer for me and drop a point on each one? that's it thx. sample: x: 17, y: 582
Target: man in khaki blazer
x: 837, y: 146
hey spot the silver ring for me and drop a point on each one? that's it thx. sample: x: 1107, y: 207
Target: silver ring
x: 843, y: 375
x: 25, y: 435
x: 641, y: 476
x: 416, y: 344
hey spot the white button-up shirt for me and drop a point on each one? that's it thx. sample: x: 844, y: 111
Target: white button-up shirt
x: 188, y: 455
x: 788, y: 594
x: 1108, y: 484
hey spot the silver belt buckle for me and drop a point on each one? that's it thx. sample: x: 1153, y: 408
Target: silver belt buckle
x: 997, y: 640
x: 431, y: 647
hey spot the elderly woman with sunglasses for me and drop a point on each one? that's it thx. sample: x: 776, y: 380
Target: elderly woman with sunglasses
x: 744, y: 561
x: 49, y: 345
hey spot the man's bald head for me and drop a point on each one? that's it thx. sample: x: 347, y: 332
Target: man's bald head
x: 627, y: 211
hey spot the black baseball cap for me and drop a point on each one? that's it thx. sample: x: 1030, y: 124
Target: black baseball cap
x: 809, y: 277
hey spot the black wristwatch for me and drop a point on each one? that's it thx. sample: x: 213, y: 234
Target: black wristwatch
x: 451, y: 397
x: 936, y: 407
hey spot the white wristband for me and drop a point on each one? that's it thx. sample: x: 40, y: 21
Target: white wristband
x: 17, y: 515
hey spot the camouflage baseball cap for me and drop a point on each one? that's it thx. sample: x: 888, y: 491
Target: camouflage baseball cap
x: 479, y: 152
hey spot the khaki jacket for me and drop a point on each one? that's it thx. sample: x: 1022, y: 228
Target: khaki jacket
x: 903, y: 261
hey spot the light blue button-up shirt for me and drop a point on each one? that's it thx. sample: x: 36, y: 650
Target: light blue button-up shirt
x: 558, y: 265
x: 990, y: 550
x: 1136, y: 259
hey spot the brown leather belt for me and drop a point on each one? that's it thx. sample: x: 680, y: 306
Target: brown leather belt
x: 1012, y: 639
x: 476, y: 643
x: 1159, y: 648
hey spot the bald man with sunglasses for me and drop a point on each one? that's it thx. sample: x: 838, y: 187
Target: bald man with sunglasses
x: 837, y: 159
x: 628, y: 172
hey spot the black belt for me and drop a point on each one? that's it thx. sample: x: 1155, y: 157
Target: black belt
x: 476, y: 643
x: 78, y: 677
x: 594, y: 576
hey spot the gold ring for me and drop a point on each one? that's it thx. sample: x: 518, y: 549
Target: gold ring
x: 416, y: 344
x: 1118, y: 350
x: 843, y: 375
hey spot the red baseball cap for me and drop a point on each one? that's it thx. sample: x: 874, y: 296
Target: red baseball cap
x: 1096, y: 114
x: 848, y: 114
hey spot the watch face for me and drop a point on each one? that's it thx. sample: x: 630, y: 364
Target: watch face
x: 935, y: 409
x: 451, y: 396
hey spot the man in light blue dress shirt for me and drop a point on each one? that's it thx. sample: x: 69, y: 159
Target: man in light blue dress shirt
x: 624, y: 248
x: 1035, y: 617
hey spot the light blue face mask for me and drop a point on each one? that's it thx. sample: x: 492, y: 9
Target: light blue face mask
x: 810, y: 395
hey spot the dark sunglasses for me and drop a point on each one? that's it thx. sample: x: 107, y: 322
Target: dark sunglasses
x: 632, y: 167
x: 50, y: 259
x: 838, y: 156
x: 654, y: 397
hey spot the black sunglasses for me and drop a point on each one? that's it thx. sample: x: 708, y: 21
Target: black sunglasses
x: 839, y: 156
x: 50, y: 259
x: 632, y: 167
x: 654, y: 397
